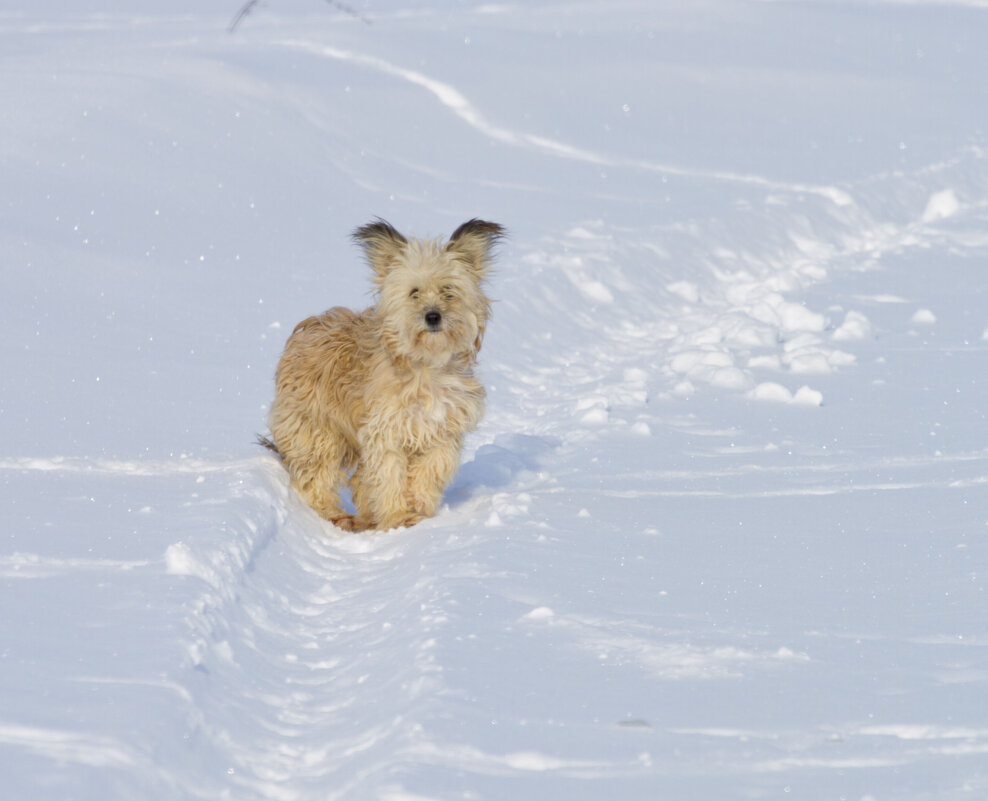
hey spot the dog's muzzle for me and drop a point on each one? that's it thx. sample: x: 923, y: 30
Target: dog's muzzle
x: 433, y: 319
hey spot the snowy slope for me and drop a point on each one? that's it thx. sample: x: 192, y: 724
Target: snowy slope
x: 722, y: 533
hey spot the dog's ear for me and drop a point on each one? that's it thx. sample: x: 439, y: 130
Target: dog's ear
x: 473, y: 242
x: 382, y: 244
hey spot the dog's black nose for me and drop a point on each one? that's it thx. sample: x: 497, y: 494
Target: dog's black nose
x: 433, y: 319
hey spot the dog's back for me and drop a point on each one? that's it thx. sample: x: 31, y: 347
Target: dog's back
x: 320, y: 380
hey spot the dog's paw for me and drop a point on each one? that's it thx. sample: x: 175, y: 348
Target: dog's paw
x: 362, y: 523
x: 344, y: 522
x: 411, y: 518
x: 403, y: 520
x: 423, y: 504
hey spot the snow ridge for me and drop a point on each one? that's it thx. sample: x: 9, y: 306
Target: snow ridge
x: 454, y: 100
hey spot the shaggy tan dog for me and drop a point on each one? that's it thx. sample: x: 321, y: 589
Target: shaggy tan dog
x: 385, y: 396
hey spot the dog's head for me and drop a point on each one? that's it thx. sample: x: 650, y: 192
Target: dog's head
x: 430, y: 298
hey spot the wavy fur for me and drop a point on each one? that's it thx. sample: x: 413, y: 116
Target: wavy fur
x: 383, y: 397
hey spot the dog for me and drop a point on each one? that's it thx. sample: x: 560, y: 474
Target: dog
x: 381, y: 399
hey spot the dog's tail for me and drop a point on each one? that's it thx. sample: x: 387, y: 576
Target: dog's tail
x: 267, y: 442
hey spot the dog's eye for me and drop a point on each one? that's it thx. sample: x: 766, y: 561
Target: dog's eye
x: 447, y: 293
x: 414, y: 293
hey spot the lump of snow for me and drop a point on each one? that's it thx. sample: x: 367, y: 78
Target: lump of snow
x: 686, y: 290
x: 803, y: 342
x: 855, y: 327
x: 769, y: 362
x: 729, y: 378
x: 810, y: 363
x: 789, y: 654
x: 753, y: 336
x: 715, y: 367
x: 590, y: 402
x: 642, y: 429
x: 685, y: 389
x: 579, y: 232
x: 776, y: 393
x: 840, y: 358
x: 883, y: 298
x: 597, y: 406
x: 179, y: 560
x: 684, y: 362
x: 771, y: 391
x: 813, y: 271
x: 595, y: 417
x: 540, y: 613
x: 531, y: 760
x: 940, y: 206
x: 795, y: 317
x: 923, y: 317
x: 711, y: 335
x: 804, y: 396
x: 836, y: 196
x: 709, y: 358
x: 596, y: 291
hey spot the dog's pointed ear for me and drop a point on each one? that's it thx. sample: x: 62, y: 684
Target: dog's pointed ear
x: 473, y: 242
x: 382, y: 244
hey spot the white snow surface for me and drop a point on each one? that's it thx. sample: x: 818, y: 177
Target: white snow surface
x: 722, y: 533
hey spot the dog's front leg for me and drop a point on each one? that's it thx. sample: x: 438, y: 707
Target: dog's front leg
x: 384, y: 485
x: 428, y: 475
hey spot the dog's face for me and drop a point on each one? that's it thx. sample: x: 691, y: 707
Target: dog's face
x: 430, y: 299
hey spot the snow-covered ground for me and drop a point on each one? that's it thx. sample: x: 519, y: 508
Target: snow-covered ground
x: 723, y: 532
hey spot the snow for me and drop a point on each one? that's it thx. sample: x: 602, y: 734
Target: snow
x: 940, y: 206
x: 722, y: 532
x: 923, y: 317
